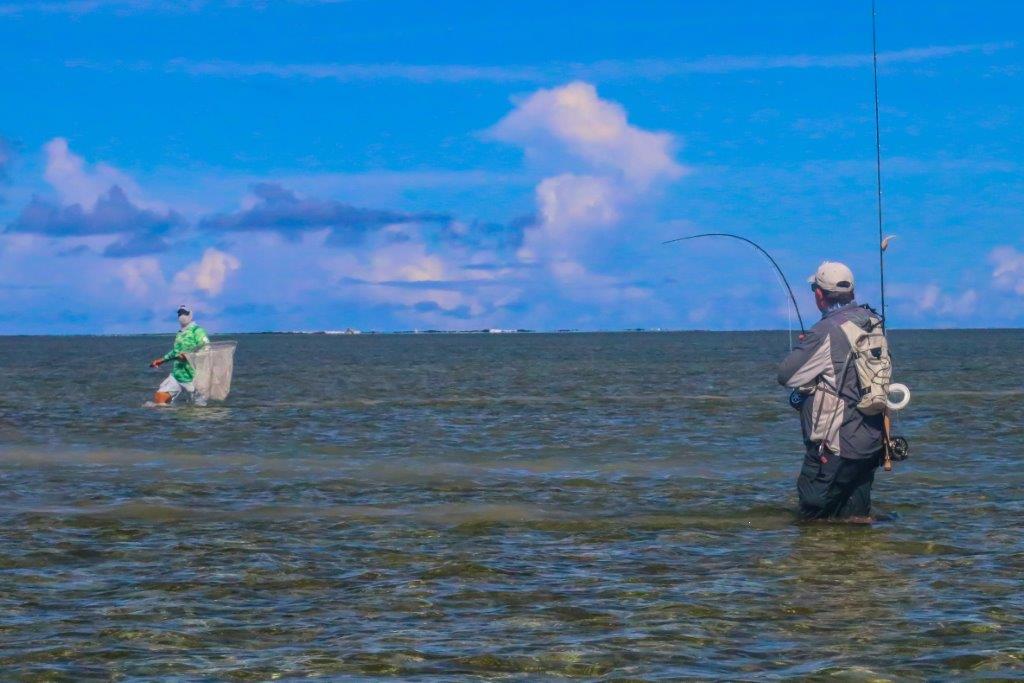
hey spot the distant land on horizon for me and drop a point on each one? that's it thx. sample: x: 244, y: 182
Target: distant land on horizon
x: 378, y: 333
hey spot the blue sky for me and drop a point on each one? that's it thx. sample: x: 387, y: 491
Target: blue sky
x: 300, y: 165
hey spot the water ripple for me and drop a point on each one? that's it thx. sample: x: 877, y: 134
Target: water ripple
x: 615, y: 507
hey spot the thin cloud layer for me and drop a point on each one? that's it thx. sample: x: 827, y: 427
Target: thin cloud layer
x: 418, y: 73
x: 424, y: 283
x: 5, y: 158
x: 120, y: 7
x: 1008, y: 274
x: 5, y: 162
x: 77, y: 7
x: 604, y: 70
x: 275, y: 209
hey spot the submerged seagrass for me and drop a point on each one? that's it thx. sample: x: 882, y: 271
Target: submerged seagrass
x: 589, y: 505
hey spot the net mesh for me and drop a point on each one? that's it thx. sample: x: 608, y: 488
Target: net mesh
x: 213, y: 366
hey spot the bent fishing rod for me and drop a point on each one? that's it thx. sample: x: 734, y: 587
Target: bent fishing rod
x: 757, y: 246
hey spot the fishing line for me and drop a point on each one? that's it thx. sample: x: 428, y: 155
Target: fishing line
x: 775, y: 265
x: 789, y: 313
x: 789, y: 326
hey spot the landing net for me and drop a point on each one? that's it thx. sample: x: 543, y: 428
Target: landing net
x: 213, y: 366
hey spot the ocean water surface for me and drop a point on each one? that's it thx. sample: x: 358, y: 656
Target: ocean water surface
x: 611, y: 506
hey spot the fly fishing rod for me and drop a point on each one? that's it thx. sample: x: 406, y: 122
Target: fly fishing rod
x: 883, y: 242
x: 757, y: 246
x: 893, y: 447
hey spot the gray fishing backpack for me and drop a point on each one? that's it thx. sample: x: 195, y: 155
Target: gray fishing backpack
x: 870, y: 353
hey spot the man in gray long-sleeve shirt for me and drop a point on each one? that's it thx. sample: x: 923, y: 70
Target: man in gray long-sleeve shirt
x: 843, y: 446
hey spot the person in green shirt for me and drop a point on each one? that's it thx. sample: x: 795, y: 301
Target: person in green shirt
x: 190, y: 338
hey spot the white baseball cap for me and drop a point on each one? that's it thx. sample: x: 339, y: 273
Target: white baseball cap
x: 833, y: 276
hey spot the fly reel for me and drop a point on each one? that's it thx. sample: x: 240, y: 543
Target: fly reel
x: 899, y: 448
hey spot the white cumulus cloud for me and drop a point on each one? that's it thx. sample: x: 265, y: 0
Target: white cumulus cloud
x: 568, y: 199
x: 140, y: 276
x: 1009, y: 269
x: 933, y: 300
x: 77, y: 182
x: 615, y: 166
x: 209, y: 274
x: 433, y: 287
x: 569, y: 206
x: 577, y: 122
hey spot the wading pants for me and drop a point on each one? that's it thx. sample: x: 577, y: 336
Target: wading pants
x: 836, y: 488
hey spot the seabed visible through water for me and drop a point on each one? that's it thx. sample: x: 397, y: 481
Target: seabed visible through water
x: 510, y: 506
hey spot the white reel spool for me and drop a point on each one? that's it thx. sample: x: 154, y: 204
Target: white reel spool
x: 898, y: 397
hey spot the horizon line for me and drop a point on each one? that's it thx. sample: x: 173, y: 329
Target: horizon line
x: 498, y: 332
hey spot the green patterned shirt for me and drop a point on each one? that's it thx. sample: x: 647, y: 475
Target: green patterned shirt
x: 189, y: 338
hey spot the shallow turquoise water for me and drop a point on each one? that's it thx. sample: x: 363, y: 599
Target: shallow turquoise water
x: 597, y: 505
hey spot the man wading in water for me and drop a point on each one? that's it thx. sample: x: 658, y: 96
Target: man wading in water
x: 189, y: 338
x: 843, y: 444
